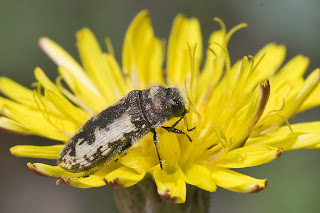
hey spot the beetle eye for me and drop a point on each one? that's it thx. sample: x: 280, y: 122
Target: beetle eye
x: 176, y: 105
x: 177, y: 108
x: 175, y: 101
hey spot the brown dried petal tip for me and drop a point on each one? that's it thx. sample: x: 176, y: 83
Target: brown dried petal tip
x: 258, y: 188
x: 167, y: 196
x: 114, y: 184
x: 34, y: 169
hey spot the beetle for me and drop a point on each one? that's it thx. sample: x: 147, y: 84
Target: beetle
x: 119, y: 126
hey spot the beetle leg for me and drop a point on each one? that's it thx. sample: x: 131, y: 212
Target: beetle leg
x: 190, y: 130
x: 177, y: 122
x: 155, y: 139
x: 174, y: 130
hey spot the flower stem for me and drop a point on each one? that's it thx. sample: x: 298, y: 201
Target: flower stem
x: 144, y: 198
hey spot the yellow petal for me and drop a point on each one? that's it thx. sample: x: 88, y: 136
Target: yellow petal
x: 88, y: 100
x: 304, y: 135
x: 292, y: 70
x: 242, y: 124
x: 273, y: 56
x: 9, y: 125
x: 52, y: 171
x: 171, y: 187
x: 53, y: 126
x: 291, y: 105
x: 84, y: 182
x: 169, y: 151
x: 123, y: 86
x: 311, y: 82
x: 237, y: 182
x: 123, y: 177
x: 228, y: 96
x: 22, y: 95
x: 184, y: 31
x: 249, y: 156
x: 75, y: 114
x: 142, y: 53
x: 307, y: 127
x: 200, y: 176
x: 279, y: 97
x: 48, y: 152
x: 289, y: 141
x: 63, y: 59
x: 95, y: 64
x: 51, y: 88
x: 214, y: 64
x: 230, y: 91
x: 16, y: 92
x: 287, y: 82
x: 312, y: 101
x: 45, y: 81
x: 139, y: 159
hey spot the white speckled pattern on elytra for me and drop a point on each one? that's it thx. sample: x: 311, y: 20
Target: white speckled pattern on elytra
x: 103, y: 137
x: 117, y: 127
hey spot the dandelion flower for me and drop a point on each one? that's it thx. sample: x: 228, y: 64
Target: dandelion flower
x: 240, y: 111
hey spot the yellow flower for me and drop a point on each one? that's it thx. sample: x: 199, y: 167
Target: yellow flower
x: 240, y: 117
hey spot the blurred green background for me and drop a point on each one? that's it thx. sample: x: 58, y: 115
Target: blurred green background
x: 292, y: 179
